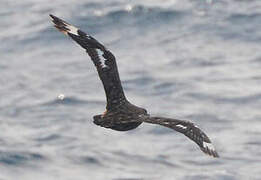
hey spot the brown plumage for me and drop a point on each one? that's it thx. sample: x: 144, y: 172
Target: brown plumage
x: 120, y: 114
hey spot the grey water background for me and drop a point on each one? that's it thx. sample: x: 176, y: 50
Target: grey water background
x: 196, y: 60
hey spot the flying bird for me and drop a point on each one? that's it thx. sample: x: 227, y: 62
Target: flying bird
x: 120, y: 114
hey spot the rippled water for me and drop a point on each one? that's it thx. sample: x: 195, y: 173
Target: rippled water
x: 197, y: 60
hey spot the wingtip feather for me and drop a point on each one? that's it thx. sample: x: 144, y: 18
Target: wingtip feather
x: 63, y: 26
x: 209, y: 149
x: 52, y: 16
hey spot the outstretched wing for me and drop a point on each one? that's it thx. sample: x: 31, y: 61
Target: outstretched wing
x: 188, y: 129
x: 105, y: 63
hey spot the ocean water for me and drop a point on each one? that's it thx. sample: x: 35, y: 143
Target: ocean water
x: 196, y: 60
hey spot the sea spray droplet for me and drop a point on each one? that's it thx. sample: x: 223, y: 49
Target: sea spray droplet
x: 61, y: 97
x: 128, y: 8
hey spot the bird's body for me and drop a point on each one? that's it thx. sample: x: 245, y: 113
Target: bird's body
x: 123, y: 118
x: 120, y: 114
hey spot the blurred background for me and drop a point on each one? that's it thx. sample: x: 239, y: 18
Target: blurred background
x: 195, y: 60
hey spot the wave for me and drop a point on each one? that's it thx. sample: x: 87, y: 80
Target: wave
x: 70, y: 101
x: 86, y: 160
x: 145, y: 13
x: 17, y: 158
x: 248, y: 99
x: 41, y: 32
x: 157, y: 159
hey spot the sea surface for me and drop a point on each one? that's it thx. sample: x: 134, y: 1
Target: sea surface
x: 198, y: 60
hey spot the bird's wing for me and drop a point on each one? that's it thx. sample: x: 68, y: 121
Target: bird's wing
x: 188, y: 129
x: 105, y: 63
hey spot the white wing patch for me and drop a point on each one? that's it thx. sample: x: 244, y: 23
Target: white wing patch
x: 102, y: 59
x: 208, y: 146
x: 69, y: 28
x: 166, y: 123
x: 181, y: 126
x: 72, y: 29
